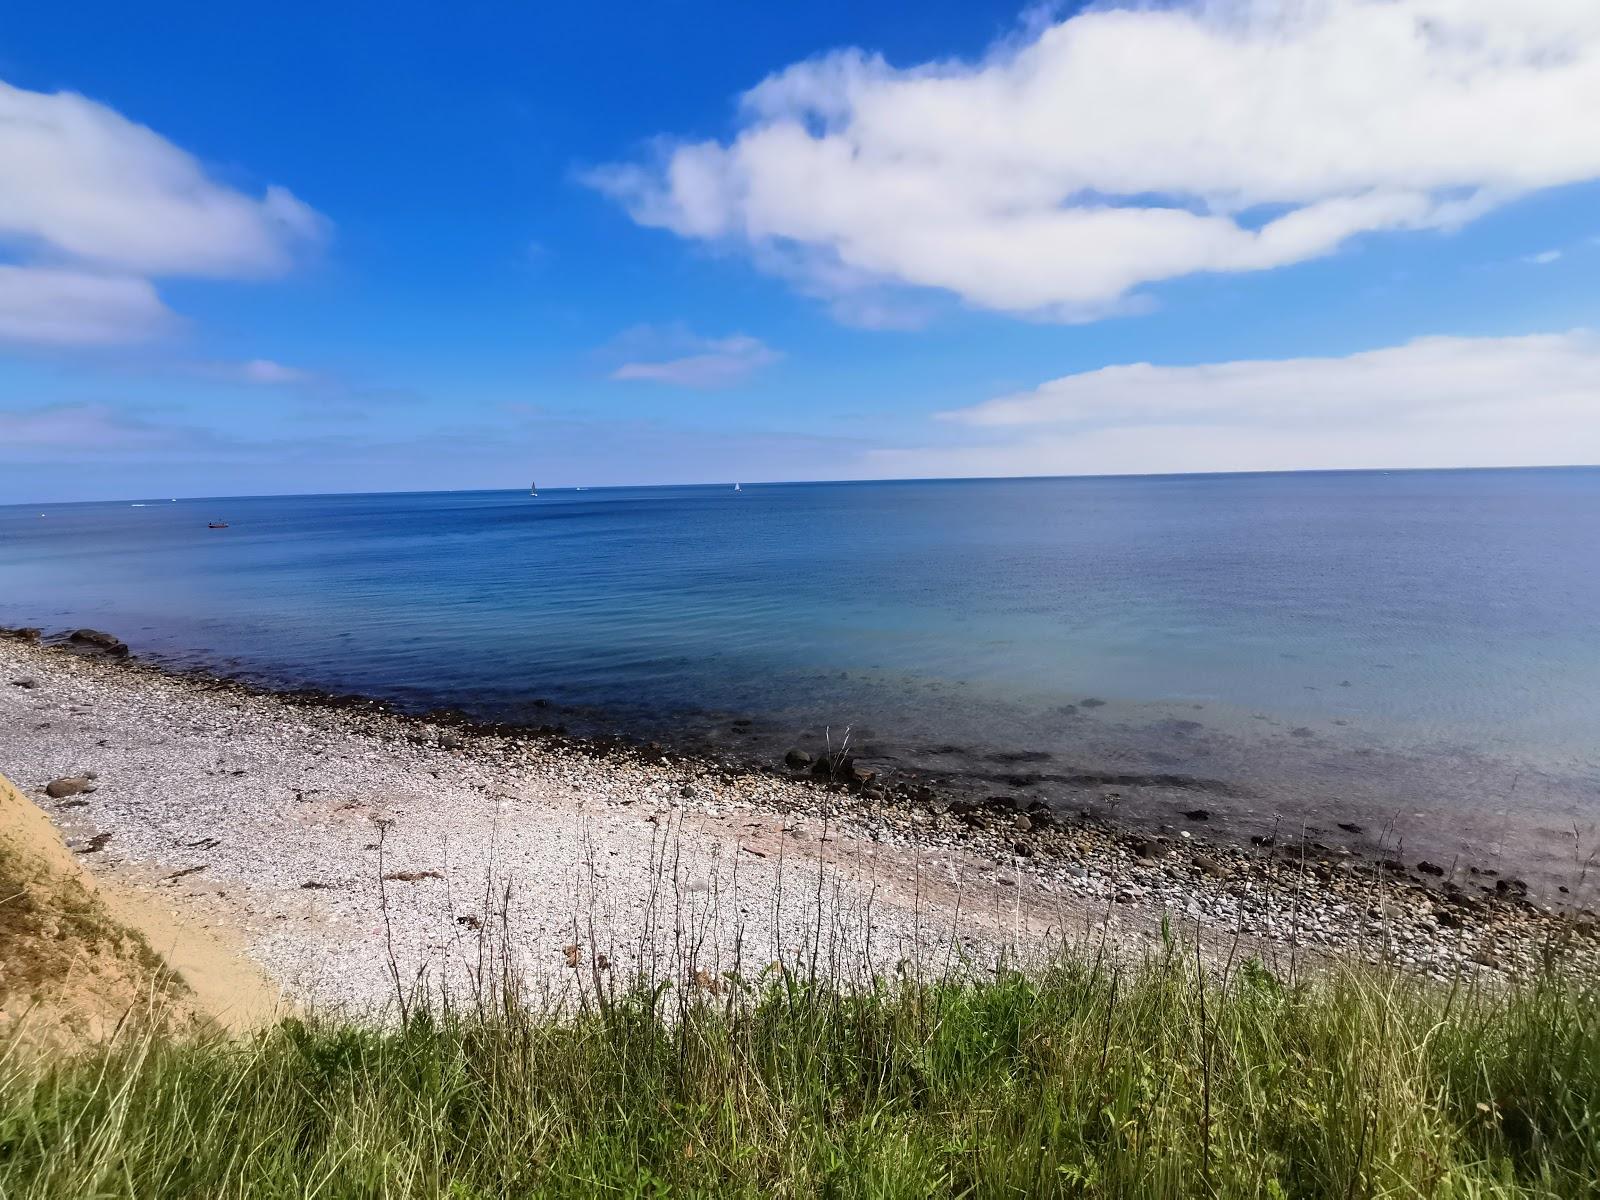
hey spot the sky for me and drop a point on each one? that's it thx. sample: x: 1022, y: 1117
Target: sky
x: 406, y: 246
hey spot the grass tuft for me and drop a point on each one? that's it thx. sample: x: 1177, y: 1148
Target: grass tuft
x: 1153, y: 1080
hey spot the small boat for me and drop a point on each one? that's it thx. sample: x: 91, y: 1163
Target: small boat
x: 737, y: 488
x: 533, y: 488
x: 216, y: 524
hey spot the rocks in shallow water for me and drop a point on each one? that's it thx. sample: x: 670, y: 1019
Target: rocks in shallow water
x: 56, y: 789
x: 98, y: 640
x: 1428, y: 868
x: 30, y: 684
x: 1198, y: 814
x: 797, y: 758
x: 1350, y: 827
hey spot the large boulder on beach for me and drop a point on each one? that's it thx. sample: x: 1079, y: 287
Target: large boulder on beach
x: 70, y: 785
x: 98, y: 640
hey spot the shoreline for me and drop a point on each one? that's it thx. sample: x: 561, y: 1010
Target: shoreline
x: 279, y: 815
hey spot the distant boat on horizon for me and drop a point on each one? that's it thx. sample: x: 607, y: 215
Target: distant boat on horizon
x: 533, y: 488
x: 738, y: 488
x: 216, y: 524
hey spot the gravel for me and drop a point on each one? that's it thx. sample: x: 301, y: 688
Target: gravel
x: 333, y: 839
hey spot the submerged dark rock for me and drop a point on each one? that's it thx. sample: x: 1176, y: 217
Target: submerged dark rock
x: 98, y: 640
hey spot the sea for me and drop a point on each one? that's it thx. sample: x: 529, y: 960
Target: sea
x: 1398, y: 663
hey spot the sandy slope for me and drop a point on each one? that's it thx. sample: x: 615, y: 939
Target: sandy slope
x: 77, y: 958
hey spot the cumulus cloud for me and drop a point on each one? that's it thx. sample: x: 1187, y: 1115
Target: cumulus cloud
x: 1433, y: 402
x: 684, y: 360
x: 1122, y: 146
x: 50, y: 306
x: 92, y: 201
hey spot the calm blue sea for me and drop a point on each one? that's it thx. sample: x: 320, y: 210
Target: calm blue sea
x: 1414, y: 652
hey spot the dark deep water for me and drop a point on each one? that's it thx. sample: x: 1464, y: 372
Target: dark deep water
x: 1416, y: 652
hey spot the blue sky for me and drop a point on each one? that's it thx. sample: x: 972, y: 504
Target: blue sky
x: 374, y: 247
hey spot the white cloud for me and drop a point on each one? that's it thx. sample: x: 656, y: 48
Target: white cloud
x: 48, y: 306
x: 86, y: 194
x: 1543, y: 259
x: 1123, y: 146
x: 695, y: 362
x: 1433, y: 402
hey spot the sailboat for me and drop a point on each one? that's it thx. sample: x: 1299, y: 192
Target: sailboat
x: 533, y: 488
x: 737, y: 488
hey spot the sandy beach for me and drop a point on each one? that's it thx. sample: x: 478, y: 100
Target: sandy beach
x: 325, y: 839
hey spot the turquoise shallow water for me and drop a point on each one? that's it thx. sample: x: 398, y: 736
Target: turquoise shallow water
x: 1413, y: 651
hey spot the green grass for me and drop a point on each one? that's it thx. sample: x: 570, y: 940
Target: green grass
x: 1147, y: 1081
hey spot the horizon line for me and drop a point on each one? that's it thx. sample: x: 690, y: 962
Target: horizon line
x: 826, y: 482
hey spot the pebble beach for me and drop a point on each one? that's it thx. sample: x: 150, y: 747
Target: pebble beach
x: 352, y: 852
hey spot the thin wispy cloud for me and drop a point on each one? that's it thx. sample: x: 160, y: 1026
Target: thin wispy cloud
x: 683, y: 360
x: 1432, y: 402
x: 258, y: 371
x: 1087, y: 158
x: 1543, y: 258
x: 95, y: 207
x: 78, y: 429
